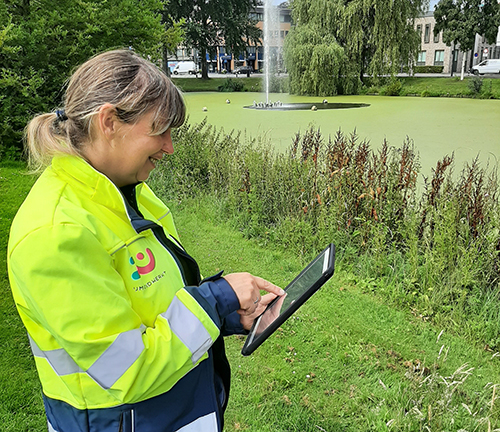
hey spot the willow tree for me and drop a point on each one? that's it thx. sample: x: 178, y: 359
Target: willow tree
x: 378, y: 37
x: 317, y: 64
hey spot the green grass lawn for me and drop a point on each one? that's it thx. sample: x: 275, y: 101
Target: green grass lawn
x: 428, y: 86
x: 21, y: 407
x: 344, y: 362
x: 212, y: 84
x: 447, y: 86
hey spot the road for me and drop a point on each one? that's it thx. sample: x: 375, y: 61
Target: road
x: 219, y: 75
x: 261, y: 75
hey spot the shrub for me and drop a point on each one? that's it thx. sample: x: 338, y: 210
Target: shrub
x: 231, y: 85
x: 429, y: 93
x: 19, y: 101
x: 475, y: 84
x: 392, y: 89
x: 428, y: 69
x: 487, y: 92
x: 372, y: 90
x: 35, y: 64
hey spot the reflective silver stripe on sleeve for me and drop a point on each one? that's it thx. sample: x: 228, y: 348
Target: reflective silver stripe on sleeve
x: 117, y: 358
x: 59, y: 359
x: 165, y: 215
x: 108, y: 368
x: 50, y: 427
x: 172, y: 238
x: 188, y: 328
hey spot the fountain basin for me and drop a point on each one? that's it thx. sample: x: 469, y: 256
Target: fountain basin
x: 278, y: 106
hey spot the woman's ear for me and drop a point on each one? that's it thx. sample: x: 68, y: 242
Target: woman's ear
x: 107, y: 122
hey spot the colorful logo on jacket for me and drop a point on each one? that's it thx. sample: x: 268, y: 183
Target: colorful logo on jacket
x: 143, y: 269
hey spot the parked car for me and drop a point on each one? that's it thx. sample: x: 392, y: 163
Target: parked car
x: 188, y: 67
x: 243, y: 70
x: 491, y: 66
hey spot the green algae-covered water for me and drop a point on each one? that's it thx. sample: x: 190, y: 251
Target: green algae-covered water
x: 437, y: 126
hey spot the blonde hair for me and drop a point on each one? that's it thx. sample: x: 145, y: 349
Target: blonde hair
x: 133, y: 85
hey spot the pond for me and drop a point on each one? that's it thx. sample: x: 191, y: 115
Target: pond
x: 437, y: 126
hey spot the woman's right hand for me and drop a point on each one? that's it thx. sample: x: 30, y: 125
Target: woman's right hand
x: 247, y: 288
x: 268, y: 318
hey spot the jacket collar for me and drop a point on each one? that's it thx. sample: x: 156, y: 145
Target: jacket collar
x: 81, y: 175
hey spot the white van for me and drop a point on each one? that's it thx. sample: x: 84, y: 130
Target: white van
x: 189, y: 67
x: 487, y: 67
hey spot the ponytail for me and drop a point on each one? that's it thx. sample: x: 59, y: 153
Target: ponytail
x: 44, y: 137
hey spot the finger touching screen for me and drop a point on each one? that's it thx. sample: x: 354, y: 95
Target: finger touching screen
x: 317, y: 272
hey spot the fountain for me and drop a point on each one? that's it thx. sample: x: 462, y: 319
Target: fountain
x: 271, y: 34
x: 312, y: 106
x: 272, y: 45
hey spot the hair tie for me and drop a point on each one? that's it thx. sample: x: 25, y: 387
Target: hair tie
x: 61, y: 115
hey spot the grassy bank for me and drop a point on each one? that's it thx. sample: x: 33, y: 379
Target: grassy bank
x: 213, y: 84
x: 403, y: 86
x: 435, y: 252
x: 21, y: 406
x: 471, y: 86
x: 451, y: 86
x: 346, y: 361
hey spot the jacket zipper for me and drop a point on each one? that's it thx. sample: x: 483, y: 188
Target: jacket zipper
x: 140, y: 224
x: 173, y: 249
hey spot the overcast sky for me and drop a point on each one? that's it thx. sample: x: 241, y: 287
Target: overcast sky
x: 432, y: 4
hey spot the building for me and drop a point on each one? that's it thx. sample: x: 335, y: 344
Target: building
x: 482, y: 50
x: 276, y: 36
x: 223, y: 60
x: 434, y: 52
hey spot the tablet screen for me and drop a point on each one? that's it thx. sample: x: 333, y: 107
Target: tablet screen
x: 296, y: 293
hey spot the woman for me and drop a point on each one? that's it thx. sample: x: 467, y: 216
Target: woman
x: 126, y: 336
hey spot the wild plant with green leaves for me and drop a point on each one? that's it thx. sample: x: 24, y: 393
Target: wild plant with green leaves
x: 436, y: 252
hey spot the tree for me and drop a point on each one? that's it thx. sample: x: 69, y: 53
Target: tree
x: 377, y: 36
x: 172, y: 38
x: 461, y: 20
x: 212, y: 23
x: 57, y: 36
x: 44, y: 41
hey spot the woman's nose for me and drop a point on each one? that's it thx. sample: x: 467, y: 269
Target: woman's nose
x: 168, y: 146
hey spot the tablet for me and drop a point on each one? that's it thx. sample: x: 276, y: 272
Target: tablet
x: 319, y: 270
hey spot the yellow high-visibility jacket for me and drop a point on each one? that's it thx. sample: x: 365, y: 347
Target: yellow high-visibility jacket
x: 120, y: 325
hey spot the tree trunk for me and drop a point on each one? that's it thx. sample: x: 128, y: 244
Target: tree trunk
x: 166, y: 69
x: 452, y: 58
x: 204, y: 65
x: 362, y: 67
x: 463, y: 67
